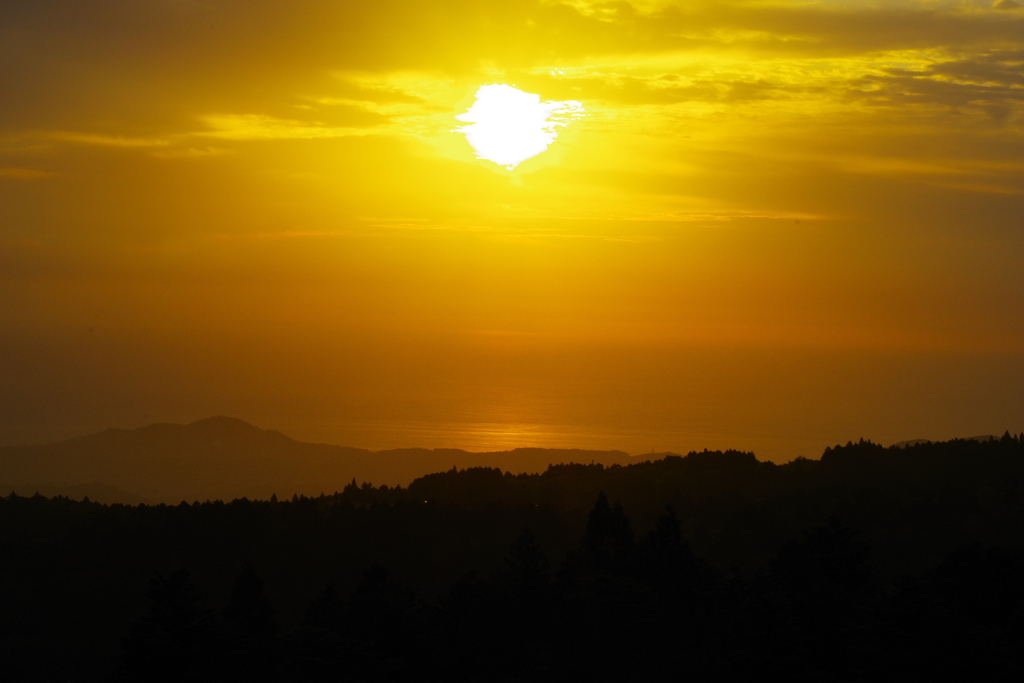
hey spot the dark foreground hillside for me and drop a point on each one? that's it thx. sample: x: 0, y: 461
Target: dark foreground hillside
x: 871, y: 563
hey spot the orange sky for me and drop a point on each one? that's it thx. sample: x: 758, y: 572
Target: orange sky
x: 781, y: 225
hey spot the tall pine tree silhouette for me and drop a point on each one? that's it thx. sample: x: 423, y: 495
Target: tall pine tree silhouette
x: 526, y: 568
x: 251, y: 630
x: 830, y: 588
x: 600, y: 595
x: 388, y: 618
x: 607, y: 545
x: 174, y: 639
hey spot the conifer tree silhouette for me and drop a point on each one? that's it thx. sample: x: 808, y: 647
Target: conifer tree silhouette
x: 826, y: 571
x: 248, y: 611
x: 318, y: 649
x: 524, y: 602
x: 607, y: 545
x: 174, y: 639
x: 682, y: 630
x: 600, y: 593
x: 666, y: 556
x: 327, y: 611
x: 826, y: 580
x: 386, y: 617
x: 526, y: 567
x: 468, y: 620
x: 251, y: 629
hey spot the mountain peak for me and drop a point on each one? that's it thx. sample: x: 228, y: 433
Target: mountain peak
x: 222, y: 427
x: 222, y: 423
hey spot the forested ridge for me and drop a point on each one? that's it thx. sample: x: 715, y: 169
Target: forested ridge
x: 872, y: 562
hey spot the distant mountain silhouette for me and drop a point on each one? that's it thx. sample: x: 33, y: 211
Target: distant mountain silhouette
x: 911, y: 442
x: 226, y: 458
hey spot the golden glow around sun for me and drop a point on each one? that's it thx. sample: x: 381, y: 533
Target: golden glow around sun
x: 509, y: 126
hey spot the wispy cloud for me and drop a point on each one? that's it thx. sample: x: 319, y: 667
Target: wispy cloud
x: 260, y: 127
x: 106, y: 140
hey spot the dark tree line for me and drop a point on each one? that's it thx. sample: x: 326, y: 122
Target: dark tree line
x: 618, y: 608
x: 871, y: 563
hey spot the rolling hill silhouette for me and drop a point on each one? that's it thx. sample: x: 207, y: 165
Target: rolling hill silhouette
x: 226, y: 458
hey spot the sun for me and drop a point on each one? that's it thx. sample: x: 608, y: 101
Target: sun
x: 509, y: 126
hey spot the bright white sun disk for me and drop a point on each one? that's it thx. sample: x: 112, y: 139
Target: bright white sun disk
x: 509, y: 126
